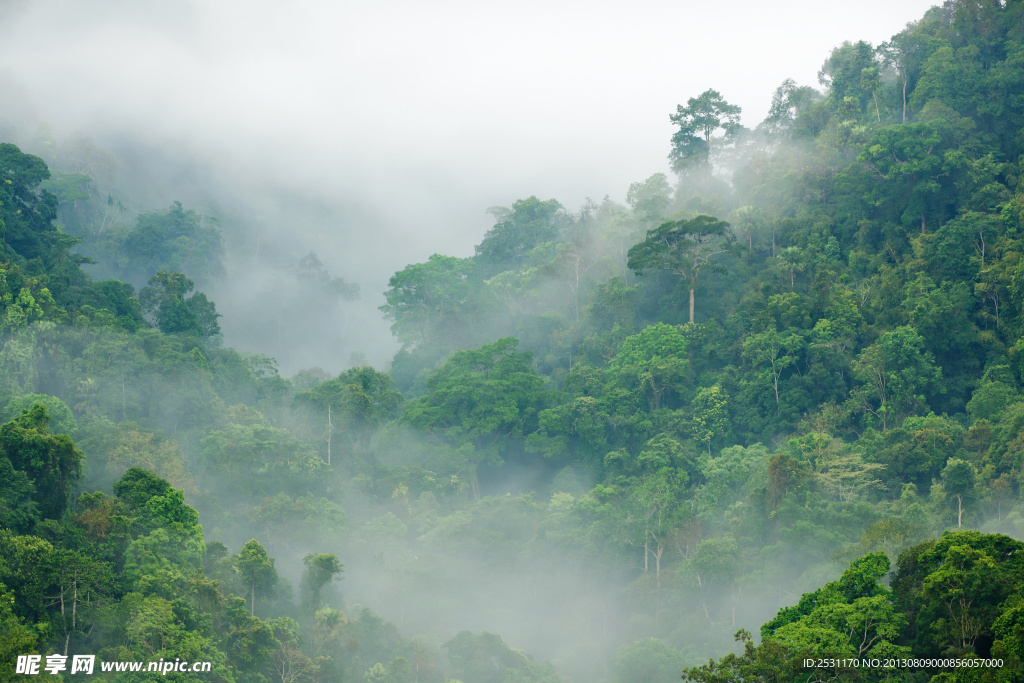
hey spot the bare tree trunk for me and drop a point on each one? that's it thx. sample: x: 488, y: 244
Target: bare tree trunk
x: 959, y: 510
x: 922, y: 223
x: 67, y: 633
x: 904, y: 99
x: 328, y: 434
x: 474, y: 485
x: 691, y: 304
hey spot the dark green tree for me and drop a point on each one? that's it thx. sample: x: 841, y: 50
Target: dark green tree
x: 531, y: 222
x: 698, y: 121
x: 481, y: 402
x: 51, y: 462
x: 176, y: 314
x: 685, y: 248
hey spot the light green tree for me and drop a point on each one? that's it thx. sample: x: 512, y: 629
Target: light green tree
x: 710, y: 417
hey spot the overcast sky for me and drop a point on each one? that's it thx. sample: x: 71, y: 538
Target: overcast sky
x: 421, y: 114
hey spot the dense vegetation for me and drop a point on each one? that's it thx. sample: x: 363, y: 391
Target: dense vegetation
x: 743, y: 399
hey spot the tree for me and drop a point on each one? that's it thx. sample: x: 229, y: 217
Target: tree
x: 953, y: 589
x: 844, y: 72
x: 484, y: 657
x: 359, y: 400
x: 961, y: 585
x: 683, y: 247
x: 959, y: 479
x: 647, y: 661
x: 15, y: 637
x: 655, y: 501
x: 531, y: 222
x: 906, y: 53
x: 789, y: 103
x: 652, y: 364
x: 50, y: 461
x: 710, y: 415
x: 651, y: 198
x: 26, y: 217
x: 425, y: 299
x: 853, y: 617
x: 896, y: 372
x: 911, y: 165
x: 871, y: 81
x: 716, y: 560
x: 321, y: 569
x: 258, y: 459
x: 481, y: 402
x: 165, y: 295
x: 698, y: 121
x: 256, y: 568
x: 774, y: 351
x: 174, y: 240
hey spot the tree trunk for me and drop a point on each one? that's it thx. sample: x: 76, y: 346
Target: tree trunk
x: 922, y: 223
x: 877, y: 115
x: 691, y: 304
x: 959, y: 510
x: 474, y: 485
x: 904, y: 99
x: 252, y: 599
x: 328, y: 434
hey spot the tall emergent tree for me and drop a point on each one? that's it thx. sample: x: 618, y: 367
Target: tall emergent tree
x: 256, y: 568
x: 698, y: 121
x: 684, y: 247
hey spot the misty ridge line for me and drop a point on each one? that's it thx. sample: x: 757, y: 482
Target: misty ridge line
x: 646, y: 425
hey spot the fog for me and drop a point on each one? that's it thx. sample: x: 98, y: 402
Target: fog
x: 375, y: 134
x: 378, y: 133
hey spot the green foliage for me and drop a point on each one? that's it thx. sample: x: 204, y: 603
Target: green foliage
x: 423, y: 299
x: 27, y: 217
x: 647, y: 661
x: 530, y: 223
x: 256, y: 569
x: 710, y: 415
x: 869, y: 334
x: 651, y: 198
x: 684, y: 248
x: 481, y: 401
x: 486, y: 658
x: 15, y: 638
x: 897, y: 373
x: 698, y: 121
x: 50, y: 461
x: 953, y: 590
x: 253, y: 456
x: 359, y: 401
x: 175, y: 314
x: 652, y: 364
x: 321, y: 569
x: 173, y: 240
